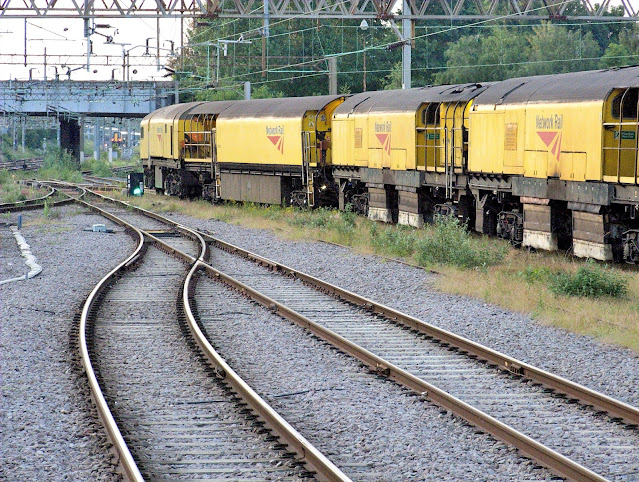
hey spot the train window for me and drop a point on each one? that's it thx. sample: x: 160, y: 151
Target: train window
x: 141, y: 132
x: 629, y: 104
x: 430, y: 114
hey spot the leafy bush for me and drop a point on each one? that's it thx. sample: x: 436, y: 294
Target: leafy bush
x: 450, y: 243
x: 393, y: 240
x: 59, y: 164
x: 98, y: 167
x: 536, y: 274
x: 590, y: 281
x: 318, y: 218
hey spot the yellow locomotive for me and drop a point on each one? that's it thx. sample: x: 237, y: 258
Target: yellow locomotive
x: 547, y: 162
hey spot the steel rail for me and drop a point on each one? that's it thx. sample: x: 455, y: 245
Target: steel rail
x: 36, y: 204
x: 27, y: 202
x: 547, y: 457
x: 587, y: 396
x: 319, y: 463
x: 322, y: 466
x: 125, y: 458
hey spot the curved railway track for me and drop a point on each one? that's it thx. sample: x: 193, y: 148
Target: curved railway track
x: 35, y: 203
x: 171, y: 410
x: 575, y: 432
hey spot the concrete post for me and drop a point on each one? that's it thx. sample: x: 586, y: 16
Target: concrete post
x: 81, y: 139
x: 15, y: 135
x: 58, y: 133
x: 406, y: 48
x: 332, y: 75
x: 96, y: 138
x: 247, y: 90
x: 110, y: 154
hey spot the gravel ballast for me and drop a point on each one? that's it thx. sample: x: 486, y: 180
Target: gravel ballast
x: 370, y: 428
x: 49, y: 428
x: 410, y: 290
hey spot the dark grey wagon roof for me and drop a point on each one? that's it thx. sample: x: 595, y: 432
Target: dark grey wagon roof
x: 408, y: 100
x: 572, y: 87
x: 213, y: 108
x: 281, y: 107
x: 172, y: 111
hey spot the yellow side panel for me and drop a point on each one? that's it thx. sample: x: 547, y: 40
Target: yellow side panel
x: 389, y: 132
x: 260, y: 141
x: 486, y: 139
x: 144, y: 141
x: 513, y: 132
x: 399, y: 160
x: 562, y: 129
x: 342, y: 141
x: 535, y: 164
x: 360, y: 152
x: 573, y: 166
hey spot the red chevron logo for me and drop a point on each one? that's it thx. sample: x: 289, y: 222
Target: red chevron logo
x: 552, y: 139
x: 278, y: 141
x: 385, y: 141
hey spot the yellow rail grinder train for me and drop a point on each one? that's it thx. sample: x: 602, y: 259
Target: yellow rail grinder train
x: 548, y: 162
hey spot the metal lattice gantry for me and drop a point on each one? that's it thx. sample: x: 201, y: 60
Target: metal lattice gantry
x: 343, y: 9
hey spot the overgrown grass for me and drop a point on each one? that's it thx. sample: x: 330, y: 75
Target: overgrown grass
x: 590, y: 281
x: 59, y: 165
x: 98, y: 167
x: 450, y: 243
x: 11, y: 191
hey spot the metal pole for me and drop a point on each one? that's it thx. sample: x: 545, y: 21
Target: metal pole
x: 177, y: 92
x: 25, y: 42
x: 58, y: 134
x: 332, y: 75
x: 266, y: 33
x: 45, y: 63
x: 364, y: 64
x: 81, y: 139
x: 247, y: 90
x: 217, y: 64
x: 208, y: 64
x: 406, y: 48
x: 23, y: 127
x: 96, y: 138
x: 157, y: 50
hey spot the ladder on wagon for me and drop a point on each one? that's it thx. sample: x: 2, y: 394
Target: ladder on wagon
x: 307, y: 174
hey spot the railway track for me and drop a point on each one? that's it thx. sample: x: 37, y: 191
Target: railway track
x: 22, y: 165
x: 174, y: 410
x: 575, y: 432
x: 39, y: 202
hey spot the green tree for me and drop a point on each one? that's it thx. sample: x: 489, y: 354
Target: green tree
x: 555, y: 49
x: 394, y: 79
x: 475, y: 58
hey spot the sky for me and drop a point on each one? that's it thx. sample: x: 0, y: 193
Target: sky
x: 66, y: 48
x: 66, y: 45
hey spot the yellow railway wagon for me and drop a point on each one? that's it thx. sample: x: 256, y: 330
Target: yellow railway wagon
x: 566, y: 147
x: 157, y: 131
x: 395, y: 150
x: 276, y: 150
x: 177, y: 147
